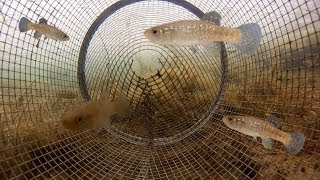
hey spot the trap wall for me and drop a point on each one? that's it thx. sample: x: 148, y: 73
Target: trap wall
x: 177, y: 95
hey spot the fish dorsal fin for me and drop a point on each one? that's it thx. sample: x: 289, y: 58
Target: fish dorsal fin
x: 43, y: 21
x: 213, y: 17
x: 275, y: 121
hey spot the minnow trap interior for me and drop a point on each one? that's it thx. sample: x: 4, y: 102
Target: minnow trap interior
x: 178, y: 95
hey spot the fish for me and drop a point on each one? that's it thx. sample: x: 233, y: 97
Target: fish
x: 246, y: 37
x: 267, y: 130
x: 42, y: 28
x: 95, y: 114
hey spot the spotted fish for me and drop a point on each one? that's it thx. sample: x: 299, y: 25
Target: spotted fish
x: 267, y: 130
x: 246, y: 38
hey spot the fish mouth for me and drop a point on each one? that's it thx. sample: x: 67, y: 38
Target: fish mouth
x: 147, y: 34
x: 225, y: 119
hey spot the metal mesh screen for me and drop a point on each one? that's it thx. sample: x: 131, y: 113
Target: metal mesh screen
x: 177, y: 96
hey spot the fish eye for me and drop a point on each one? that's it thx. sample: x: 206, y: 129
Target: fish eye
x: 63, y: 35
x: 229, y: 118
x: 156, y: 31
x: 79, y: 119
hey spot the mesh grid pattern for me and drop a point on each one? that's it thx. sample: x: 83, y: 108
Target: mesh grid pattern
x: 177, y: 96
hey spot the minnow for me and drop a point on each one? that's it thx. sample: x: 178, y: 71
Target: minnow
x: 246, y: 37
x: 42, y: 28
x: 95, y: 114
x: 267, y: 130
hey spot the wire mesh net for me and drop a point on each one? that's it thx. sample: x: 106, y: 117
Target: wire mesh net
x: 178, y: 95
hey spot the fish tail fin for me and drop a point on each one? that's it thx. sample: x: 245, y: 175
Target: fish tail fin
x: 123, y: 104
x: 23, y: 24
x: 250, y: 38
x: 296, y: 143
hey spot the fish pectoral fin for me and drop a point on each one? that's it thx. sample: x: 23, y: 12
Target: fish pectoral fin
x: 194, y: 48
x: 255, y: 138
x: 43, y: 21
x: 38, y: 44
x: 37, y: 35
x: 209, y: 45
x: 268, y: 143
